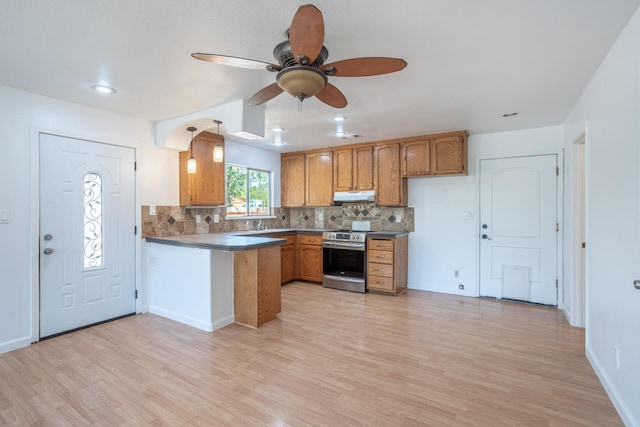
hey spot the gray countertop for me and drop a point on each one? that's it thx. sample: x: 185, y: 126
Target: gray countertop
x: 233, y: 240
x: 250, y: 239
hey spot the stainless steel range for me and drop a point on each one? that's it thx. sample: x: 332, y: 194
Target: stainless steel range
x: 344, y: 260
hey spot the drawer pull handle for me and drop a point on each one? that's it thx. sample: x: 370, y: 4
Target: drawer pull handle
x: 380, y: 256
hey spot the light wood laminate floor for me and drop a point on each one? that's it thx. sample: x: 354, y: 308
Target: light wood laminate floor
x: 332, y: 358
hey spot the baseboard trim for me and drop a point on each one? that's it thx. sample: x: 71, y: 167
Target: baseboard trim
x: 623, y: 411
x: 16, y: 344
x: 196, y: 323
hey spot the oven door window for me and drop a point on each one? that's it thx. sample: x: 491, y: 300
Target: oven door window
x: 343, y: 262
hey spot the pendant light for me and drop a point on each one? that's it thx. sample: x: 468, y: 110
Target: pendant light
x: 191, y: 163
x: 218, y: 151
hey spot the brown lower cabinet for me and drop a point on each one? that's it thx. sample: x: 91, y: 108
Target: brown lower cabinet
x: 387, y: 264
x: 288, y: 260
x: 310, y: 257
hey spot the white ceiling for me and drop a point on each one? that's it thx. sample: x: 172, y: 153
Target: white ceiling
x: 469, y: 61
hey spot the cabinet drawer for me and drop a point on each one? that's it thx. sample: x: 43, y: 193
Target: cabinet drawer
x: 377, y: 282
x: 383, y: 245
x: 290, y: 238
x: 310, y: 239
x: 384, y: 270
x: 385, y: 257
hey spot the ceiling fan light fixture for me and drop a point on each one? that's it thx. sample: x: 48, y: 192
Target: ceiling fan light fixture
x: 301, y: 81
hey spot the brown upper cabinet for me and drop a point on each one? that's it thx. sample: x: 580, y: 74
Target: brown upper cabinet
x: 390, y: 187
x: 441, y: 154
x: 319, y: 178
x: 206, y: 186
x: 449, y: 155
x: 353, y: 168
x: 292, y: 172
x: 416, y: 158
x: 310, y: 178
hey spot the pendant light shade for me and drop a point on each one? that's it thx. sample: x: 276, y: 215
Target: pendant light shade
x: 218, y: 151
x: 191, y: 163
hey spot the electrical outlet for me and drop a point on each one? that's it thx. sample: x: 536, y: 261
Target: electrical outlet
x: 5, y: 217
x: 398, y: 218
x: 461, y: 287
x: 152, y: 210
x: 198, y: 219
x: 320, y: 217
x: 216, y: 218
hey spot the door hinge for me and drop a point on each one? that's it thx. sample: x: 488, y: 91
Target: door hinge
x: 557, y: 170
x: 556, y: 283
x: 557, y: 227
x: 135, y: 230
x: 584, y: 245
x: 135, y: 166
x: 136, y: 294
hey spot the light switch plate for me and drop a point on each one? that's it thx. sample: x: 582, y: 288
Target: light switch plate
x: 5, y: 217
x: 152, y: 209
x: 398, y: 218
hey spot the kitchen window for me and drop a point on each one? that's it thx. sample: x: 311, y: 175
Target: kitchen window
x: 248, y: 191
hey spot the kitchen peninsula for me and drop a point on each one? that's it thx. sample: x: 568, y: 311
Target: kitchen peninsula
x: 212, y: 280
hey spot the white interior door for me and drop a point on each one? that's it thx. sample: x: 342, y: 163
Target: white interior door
x: 87, y: 240
x: 518, y: 217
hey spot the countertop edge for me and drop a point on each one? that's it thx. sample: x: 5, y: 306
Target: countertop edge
x: 264, y: 243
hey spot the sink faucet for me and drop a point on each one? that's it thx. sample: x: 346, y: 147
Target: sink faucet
x: 260, y: 225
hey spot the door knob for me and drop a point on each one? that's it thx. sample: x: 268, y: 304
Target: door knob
x: 48, y: 237
x: 48, y: 251
x: 485, y: 226
x: 636, y: 284
x: 484, y: 236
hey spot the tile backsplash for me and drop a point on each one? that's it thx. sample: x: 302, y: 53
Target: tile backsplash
x: 177, y: 220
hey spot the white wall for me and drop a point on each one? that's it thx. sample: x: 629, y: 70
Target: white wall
x: 22, y: 115
x: 444, y: 240
x: 610, y: 105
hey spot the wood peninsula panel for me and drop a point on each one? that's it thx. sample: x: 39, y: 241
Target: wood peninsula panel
x: 319, y: 179
x: 292, y: 173
x: 256, y: 286
x: 206, y: 186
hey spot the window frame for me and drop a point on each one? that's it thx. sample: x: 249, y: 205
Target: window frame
x: 247, y: 213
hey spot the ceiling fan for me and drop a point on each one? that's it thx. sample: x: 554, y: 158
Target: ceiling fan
x: 301, y: 70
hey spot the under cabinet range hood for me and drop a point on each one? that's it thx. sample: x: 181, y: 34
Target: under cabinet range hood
x: 340, y: 197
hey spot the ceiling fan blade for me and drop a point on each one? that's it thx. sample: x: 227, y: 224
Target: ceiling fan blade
x: 332, y: 96
x: 306, y: 34
x: 234, y: 61
x: 265, y: 94
x: 361, y: 67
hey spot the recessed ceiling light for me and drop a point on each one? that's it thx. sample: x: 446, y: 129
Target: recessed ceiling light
x: 340, y: 133
x: 277, y: 143
x: 103, y: 89
x: 339, y: 118
x: 509, y: 114
x: 277, y: 129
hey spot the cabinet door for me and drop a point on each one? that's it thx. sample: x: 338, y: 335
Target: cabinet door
x: 311, y: 263
x: 292, y: 180
x: 206, y: 186
x: 449, y: 156
x: 319, y: 182
x: 288, y: 265
x: 416, y: 158
x: 363, y: 168
x: 391, y: 189
x: 343, y: 171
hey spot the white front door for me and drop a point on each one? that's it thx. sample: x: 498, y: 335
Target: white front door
x: 518, y: 237
x: 87, y: 240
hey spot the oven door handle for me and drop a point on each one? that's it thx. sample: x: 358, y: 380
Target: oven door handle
x: 343, y: 245
x: 344, y: 279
